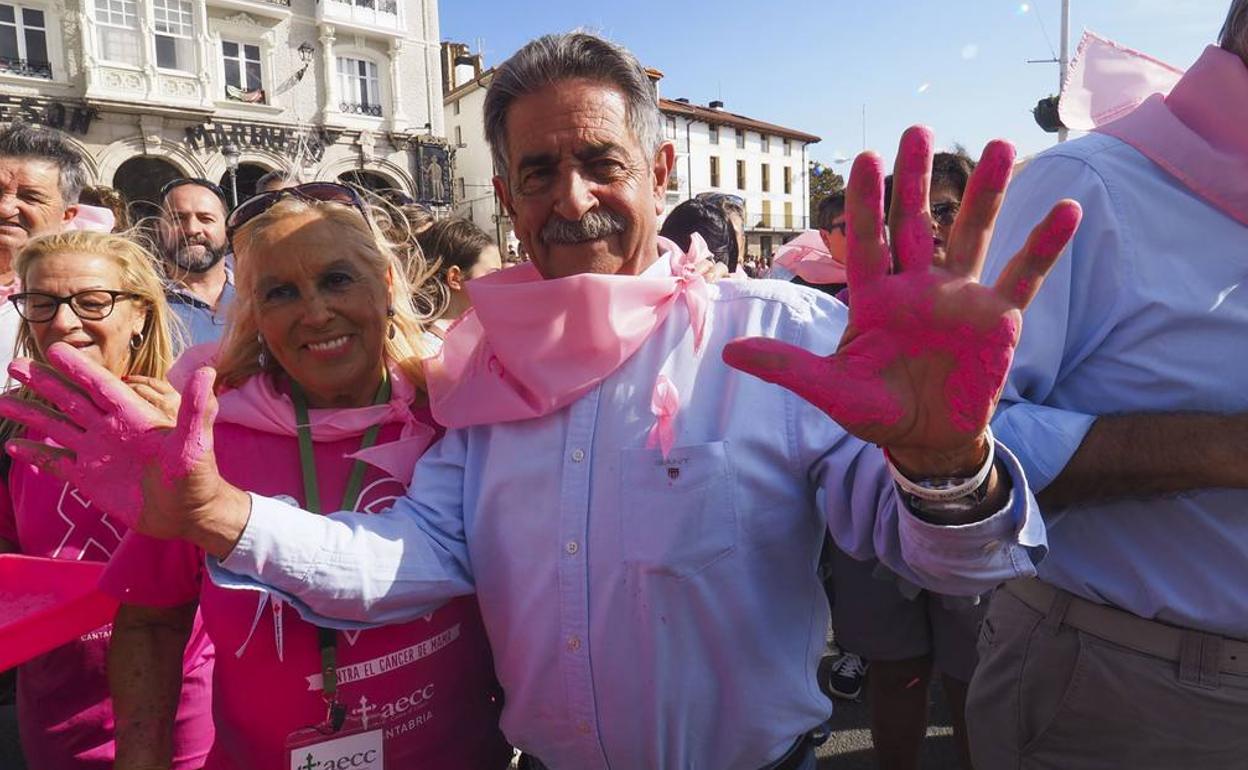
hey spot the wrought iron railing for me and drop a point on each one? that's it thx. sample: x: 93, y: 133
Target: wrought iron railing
x: 356, y: 108
x: 33, y: 69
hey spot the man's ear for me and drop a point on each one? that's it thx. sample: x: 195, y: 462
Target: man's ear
x: 504, y: 194
x: 70, y: 212
x: 455, y: 278
x: 664, y: 161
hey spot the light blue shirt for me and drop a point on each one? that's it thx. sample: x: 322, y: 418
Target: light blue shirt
x: 644, y: 613
x: 1147, y: 312
x: 202, y: 322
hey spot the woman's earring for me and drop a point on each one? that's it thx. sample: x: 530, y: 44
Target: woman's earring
x: 390, y: 315
x: 263, y: 358
x: 136, y: 341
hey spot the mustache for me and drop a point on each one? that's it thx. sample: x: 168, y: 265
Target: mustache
x: 15, y: 222
x: 594, y: 225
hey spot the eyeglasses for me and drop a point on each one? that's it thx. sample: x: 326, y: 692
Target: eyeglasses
x: 90, y: 305
x: 944, y: 213
x: 215, y: 189
x: 313, y: 192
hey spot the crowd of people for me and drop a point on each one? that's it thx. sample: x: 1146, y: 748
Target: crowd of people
x: 369, y: 494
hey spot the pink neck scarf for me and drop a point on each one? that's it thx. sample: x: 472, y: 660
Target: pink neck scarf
x: 530, y: 347
x: 809, y: 257
x: 1199, y: 132
x: 259, y: 404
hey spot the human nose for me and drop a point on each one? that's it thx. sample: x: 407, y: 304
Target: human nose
x: 64, y: 319
x: 574, y: 196
x: 317, y: 310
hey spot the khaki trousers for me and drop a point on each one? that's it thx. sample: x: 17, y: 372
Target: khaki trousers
x: 1046, y: 696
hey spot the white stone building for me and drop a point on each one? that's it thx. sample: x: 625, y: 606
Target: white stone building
x: 464, y: 83
x: 762, y: 163
x: 151, y: 90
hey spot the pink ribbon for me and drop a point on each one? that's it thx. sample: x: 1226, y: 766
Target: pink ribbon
x: 531, y: 346
x: 664, y: 404
x: 809, y: 257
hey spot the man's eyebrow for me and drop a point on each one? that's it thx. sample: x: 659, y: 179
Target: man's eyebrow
x: 596, y: 151
x: 538, y: 159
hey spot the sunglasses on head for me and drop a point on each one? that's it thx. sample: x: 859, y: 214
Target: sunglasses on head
x: 312, y: 192
x: 215, y: 189
x: 720, y: 198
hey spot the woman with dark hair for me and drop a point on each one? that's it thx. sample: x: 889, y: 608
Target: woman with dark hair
x: 708, y: 219
x: 461, y: 251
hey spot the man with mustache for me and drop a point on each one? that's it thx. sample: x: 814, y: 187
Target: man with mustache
x: 193, y: 243
x: 41, y: 176
x: 639, y: 517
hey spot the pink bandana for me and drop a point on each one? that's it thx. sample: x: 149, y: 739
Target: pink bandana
x: 809, y: 257
x: 258, y: 404
x: 530, y: 347
x: 1106, y: 80
x: 1199, y: 132
x: 93, y: 218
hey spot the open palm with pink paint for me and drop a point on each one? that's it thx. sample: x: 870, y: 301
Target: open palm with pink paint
x: 924, y: 358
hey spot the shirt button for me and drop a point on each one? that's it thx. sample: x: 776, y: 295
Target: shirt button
x: 572, y: 548
x: 578, y: 455
x: 574, y: 643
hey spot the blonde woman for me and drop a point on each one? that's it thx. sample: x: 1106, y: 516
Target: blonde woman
x: 321, y: 400
x: 102, y: 294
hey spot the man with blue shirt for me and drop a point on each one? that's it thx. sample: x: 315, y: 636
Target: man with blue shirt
x: 1128, y: 407
x: 193, y: 243
x: 639, y: 521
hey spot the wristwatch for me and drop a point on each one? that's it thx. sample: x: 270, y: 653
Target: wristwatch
x: 946, y: 495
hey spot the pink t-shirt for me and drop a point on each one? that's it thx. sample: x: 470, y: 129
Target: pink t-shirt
x: 431, y: 680
x: 65, y: 712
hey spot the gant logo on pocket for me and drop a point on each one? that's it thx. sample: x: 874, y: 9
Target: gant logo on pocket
x: 673, y: 473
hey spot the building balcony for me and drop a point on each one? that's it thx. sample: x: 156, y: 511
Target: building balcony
x: 25, y: 68
x: 377, y: 16
x: 355, y: 108
x: 276, y: 9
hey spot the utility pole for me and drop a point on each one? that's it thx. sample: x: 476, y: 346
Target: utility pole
x: 1064, y: 61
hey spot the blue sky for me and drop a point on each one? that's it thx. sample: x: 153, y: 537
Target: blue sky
x: 956, y: 65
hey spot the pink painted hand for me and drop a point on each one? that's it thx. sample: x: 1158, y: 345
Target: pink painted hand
x: 923, y: 360
x: 117, y: 447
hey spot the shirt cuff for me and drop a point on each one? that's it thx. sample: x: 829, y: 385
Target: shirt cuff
x: 1045, y: 436
x: 269, y: 539
x: 969, y: 559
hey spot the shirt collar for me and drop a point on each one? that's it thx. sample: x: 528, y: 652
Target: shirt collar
x: 1199, y: 133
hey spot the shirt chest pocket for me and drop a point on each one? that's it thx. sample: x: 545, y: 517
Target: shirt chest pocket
x: 679, y: 515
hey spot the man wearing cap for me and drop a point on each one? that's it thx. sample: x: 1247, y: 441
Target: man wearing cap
x: 1128, y: 406
x: 194, y: 247
x: 639, y: 517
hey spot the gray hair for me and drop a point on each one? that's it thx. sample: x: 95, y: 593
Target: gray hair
x: 554, y: 58
x: 1234, y: 35
x: 21, y: 140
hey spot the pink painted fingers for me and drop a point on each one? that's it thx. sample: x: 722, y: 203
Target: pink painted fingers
x: 923, y: 360
x: 115, y: 446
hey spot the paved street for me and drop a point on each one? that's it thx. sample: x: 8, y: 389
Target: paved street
x: 849, y: 748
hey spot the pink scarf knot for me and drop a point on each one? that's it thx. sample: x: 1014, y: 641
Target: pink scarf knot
x: 530, y: 346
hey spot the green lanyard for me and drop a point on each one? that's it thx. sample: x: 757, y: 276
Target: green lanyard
x: 326, y: 637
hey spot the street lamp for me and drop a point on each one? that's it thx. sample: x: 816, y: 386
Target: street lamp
x: 231, y: 154
x: 306, y: 52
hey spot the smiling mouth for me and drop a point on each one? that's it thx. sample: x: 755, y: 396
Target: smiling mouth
x: 329, y: 346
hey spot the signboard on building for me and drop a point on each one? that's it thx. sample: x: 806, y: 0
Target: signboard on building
x: 433, y: 174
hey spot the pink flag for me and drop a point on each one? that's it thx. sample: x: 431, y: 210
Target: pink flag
x: 1107, y: 80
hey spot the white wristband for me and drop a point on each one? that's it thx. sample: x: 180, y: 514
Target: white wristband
x: 944, y: 490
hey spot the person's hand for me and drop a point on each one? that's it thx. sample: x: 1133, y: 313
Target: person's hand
x: 157, y: 392
x: 927, y: 349
x: 118, y: 449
